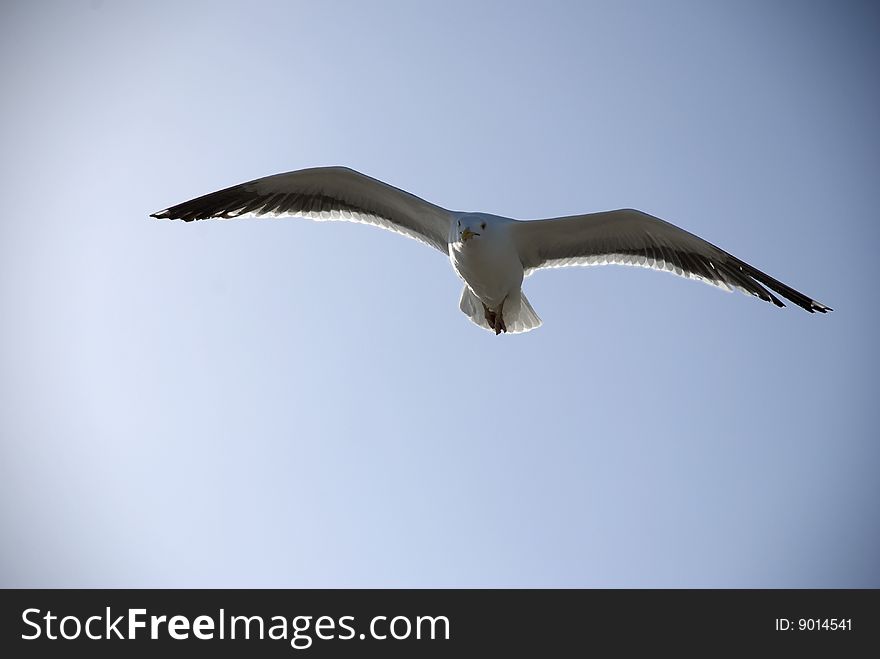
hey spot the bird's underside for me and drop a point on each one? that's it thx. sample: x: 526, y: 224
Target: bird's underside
x: 492, y: 254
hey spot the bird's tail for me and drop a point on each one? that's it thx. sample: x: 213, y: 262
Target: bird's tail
x: 518, y: 313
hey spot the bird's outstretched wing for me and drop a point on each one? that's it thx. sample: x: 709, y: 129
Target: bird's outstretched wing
x: 630, y: 237
x: 323, y: 193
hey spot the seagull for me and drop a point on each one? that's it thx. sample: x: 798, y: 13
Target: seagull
x: 492, y: 254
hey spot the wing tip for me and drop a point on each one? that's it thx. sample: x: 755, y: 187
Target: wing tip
x: 812, y: 307
x: 169, y: 214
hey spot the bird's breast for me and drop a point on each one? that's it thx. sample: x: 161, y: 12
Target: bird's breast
x: 492, y: 269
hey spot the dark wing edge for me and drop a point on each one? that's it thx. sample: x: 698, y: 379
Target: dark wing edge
x: 631, y: 237
x: 323, y: 194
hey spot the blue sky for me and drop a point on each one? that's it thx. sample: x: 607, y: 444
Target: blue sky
x: 283, y: 403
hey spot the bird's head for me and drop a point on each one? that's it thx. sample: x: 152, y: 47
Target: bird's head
x: 470, y: 227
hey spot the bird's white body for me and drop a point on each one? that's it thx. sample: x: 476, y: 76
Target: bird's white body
x: 492, y: 254
x: 490, y: 268
x: 483, y: 252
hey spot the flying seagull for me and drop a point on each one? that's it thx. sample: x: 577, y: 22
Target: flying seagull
x: 491, y: 253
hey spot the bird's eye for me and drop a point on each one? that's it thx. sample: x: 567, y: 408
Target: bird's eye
x: 483, y: 225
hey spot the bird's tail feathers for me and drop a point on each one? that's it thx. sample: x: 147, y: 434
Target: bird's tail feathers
x: 518, y: 313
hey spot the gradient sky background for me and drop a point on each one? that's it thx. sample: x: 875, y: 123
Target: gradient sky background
x: 284, y: 403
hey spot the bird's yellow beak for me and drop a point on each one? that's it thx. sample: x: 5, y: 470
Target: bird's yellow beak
x: 467, y: 234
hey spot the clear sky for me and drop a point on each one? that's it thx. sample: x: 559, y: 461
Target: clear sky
x: 284, y: 403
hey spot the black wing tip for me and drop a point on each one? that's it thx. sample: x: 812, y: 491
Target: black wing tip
x: 811, y: 307
x: 169, y: 214
x: 798, y: 298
